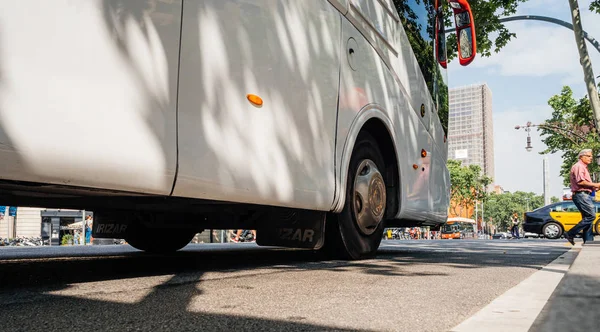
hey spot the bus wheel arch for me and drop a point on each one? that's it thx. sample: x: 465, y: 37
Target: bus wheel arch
x: 378, y: 130
x: 350, y: 233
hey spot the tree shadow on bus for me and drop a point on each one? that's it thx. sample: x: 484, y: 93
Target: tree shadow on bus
x: 283, y: 152
x: 8, y: 149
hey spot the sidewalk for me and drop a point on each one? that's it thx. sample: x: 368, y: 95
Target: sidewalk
x: 574, y: 304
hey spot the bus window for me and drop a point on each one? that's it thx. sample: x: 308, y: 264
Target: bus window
x: 423, y: 24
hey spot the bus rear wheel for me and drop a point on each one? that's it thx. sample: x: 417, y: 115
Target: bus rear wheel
x: 158, y: 240
x: 356, y: 232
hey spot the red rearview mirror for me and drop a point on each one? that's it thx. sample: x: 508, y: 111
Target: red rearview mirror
x: 465, y: 31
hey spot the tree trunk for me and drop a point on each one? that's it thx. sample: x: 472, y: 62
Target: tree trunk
x: 585, y: 61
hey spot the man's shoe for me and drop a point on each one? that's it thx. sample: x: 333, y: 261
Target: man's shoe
x: 570, y: 239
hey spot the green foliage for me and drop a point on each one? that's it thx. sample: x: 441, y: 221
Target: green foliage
x: 491, y: 35
x: 500, y: 207
x: 554, y: 199
x: 421, y: 35
x: 570, y: 130
x: 66, y: 239
x: 595, y: 6
x: 467, y: 184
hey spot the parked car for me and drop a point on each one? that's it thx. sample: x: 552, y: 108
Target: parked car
x: 528, y: 235
x: 502, y: 236
x: 553, y: 220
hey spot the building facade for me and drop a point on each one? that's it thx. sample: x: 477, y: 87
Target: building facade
x: 470, y: 127
x: 26, y: 222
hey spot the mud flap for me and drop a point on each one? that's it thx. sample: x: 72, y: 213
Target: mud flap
x: 110, y: 225
x: 293, y: 229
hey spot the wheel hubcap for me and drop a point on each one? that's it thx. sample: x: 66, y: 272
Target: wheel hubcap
x: 552, y: 231
x: 369, y: 197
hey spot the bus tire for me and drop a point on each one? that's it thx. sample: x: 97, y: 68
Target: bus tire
x: 356, y: 232
x: 158, y: 240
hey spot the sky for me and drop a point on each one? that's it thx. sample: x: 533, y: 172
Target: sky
x: 523, y: 76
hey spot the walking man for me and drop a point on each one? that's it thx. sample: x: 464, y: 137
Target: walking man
x: 582, y: 187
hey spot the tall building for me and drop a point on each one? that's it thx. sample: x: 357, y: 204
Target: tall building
x: 470, y: 127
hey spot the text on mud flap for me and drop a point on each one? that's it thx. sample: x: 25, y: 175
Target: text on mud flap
x: 112, y: 228
x: 296, y: 234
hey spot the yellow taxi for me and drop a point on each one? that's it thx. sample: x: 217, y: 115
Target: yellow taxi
x: 553, y: 220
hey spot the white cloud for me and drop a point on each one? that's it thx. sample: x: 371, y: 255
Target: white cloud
x: 517, y: 169
x: 542, y: 49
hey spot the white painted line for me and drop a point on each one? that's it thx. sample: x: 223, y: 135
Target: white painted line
x: 517, y: 309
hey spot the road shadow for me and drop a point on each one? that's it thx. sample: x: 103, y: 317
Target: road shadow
x: 391, y: 260
x: 42, y: 294
x: 164, y: 308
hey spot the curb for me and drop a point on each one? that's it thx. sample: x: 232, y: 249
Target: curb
x: 518, y: 308
x: 573, y: 306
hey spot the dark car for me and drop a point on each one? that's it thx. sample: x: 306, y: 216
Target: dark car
x: 553, y: 220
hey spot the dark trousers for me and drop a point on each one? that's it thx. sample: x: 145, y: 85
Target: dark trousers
x: 515, y: 231
x: 584, y: 203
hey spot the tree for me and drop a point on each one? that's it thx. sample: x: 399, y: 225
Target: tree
x: 595, y: 6
x: 491, y: 34
x: 500, y: 207
x: 487, y: 16
x: 584, y: 58
x: 468, y: 185
x: 570, y: 130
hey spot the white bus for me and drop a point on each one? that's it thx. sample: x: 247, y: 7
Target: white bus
x: 317, y: 123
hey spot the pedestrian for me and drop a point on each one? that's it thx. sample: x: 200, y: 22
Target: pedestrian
x: 88, y: 229
x: 582, y: 187
x: 239, y: 233
x: 515, y: 225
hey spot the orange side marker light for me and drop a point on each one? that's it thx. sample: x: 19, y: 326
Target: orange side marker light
x: 255, y: 100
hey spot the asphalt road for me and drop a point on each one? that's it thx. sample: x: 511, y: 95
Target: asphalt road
x: 409, y: 286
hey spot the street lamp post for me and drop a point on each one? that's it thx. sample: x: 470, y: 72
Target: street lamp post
x: 570, y: 134
x: 527, y: 129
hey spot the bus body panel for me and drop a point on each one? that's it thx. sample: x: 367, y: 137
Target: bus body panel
x: 341, y: 5
x: 88, y: 93
x: 153, y: 97
x: 414, y: 83
x: 366, y: 82
x: 440, y: 187
x: 368, y: 113
x: 286, y: 52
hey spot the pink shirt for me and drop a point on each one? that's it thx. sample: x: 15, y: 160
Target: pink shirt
x: 579, y: 172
